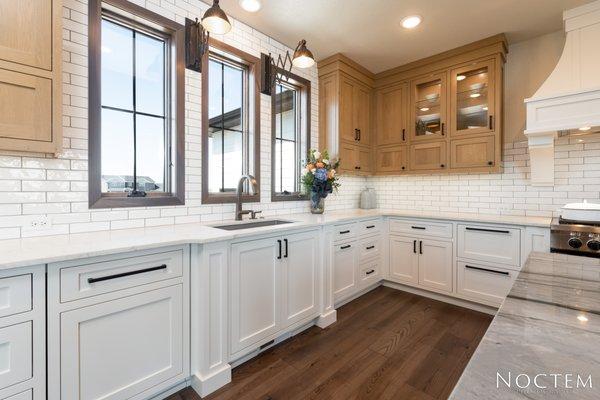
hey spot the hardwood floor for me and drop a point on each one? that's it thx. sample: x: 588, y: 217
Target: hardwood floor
x: 387, y: 344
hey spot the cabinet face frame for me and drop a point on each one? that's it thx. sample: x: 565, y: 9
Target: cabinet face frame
x: 442, y: 77
x: 492, y: 119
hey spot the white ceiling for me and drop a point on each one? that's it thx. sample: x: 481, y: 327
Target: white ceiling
x: 369, y: 32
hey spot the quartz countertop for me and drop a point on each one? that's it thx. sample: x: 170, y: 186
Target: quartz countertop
x: 47, y: 249
x: 548, y: 324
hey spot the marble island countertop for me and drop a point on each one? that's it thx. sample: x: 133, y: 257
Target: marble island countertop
x: 548, y: 327
x: 46, y: 249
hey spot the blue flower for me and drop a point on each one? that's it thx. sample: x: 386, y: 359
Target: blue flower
x: 321, y: 174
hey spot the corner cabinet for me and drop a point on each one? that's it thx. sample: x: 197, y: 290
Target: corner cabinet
x: 345, y: 113
x: 31, y: 76
x: 274, y: 284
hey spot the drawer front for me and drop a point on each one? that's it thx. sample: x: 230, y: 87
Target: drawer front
x: 344, y: 231
x: 103, y: 277
x: 16, y: 354
x: 26, y: 395
x: 490, y: 244
x: 370, y: 273
x: 370, y: 248
x: 420, y: 227
x: 369, y: 227
x: 485, y: 284
x: 15, y: 295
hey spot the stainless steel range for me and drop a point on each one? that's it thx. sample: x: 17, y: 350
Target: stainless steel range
x: 577, y: 230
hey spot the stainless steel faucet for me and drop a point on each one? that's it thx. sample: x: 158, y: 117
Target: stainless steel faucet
x: 238, y: 204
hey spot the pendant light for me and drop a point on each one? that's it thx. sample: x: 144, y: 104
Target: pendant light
x: 215, y: 20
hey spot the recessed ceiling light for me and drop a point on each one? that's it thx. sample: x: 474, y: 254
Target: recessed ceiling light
x: 411, y: 22
x: 460, y: 77
x: 585, y: 128
x: 250, y: 5
x: 475, y: 95
x: 424, y: 108
x: 582, y: 318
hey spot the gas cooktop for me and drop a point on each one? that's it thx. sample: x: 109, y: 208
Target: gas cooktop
x: 575, y: 237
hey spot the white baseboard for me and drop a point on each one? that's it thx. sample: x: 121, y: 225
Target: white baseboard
x: 324, y: 320
x: 438, y: 296
x: 205, y: 385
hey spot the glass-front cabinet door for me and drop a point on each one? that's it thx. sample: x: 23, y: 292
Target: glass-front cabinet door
x: 472, y: 99
x: 428, y: 107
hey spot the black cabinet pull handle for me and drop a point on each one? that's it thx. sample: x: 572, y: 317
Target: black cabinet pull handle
x: 370, y: 247
x: 415, y: 246
x: 359, y: 135
x: 420, y: 247
x: 370, y: 272
x: 346, y: 247
x: 443, y: 129
x: 491, y: 122
x: 487, y: 230
x: 370, y: 226
x: 344, y: 232
x: 279, y: 253
x: 403, y: 135
x: 355, y: 134
x: 488, y: 270
x: 123, y: 274
x: 419, y: 227
x: 286, y: 248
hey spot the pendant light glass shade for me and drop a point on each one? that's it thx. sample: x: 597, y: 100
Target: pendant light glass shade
x: 303, y: 58
x: 215, y: 20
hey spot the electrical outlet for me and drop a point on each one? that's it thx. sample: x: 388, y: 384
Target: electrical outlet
x: 39, y: 223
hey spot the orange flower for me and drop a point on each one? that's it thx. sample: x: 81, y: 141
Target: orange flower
x: 320, y: 165
x: 331, y: 174
x: 310, y: 167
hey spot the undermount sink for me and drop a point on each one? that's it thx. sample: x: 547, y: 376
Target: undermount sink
x: 248, y: 225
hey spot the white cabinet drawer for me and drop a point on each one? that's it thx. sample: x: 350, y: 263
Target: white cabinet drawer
x: 26, y: 395
x: 344, y: 231
x: 421, y: 228
x: 369, y: 227
x: 370, y: 273
x: 370, y: 248
x: 16, y: 352
x: 490, y: 244
x: 485, y: 284
x: 15, y: 295
x: 92, y: 279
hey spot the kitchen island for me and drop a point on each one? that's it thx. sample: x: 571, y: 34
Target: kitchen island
x: 544, y: 342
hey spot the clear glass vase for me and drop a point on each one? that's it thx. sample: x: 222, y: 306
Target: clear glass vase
x: 317, y: 206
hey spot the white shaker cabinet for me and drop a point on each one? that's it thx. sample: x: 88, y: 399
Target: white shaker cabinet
x: 435, y: 264
x: 345, y: 269
x: 404, y: 262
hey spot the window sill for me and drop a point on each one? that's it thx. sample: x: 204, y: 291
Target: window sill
x: 289, y: 197
x: 149, y: 201
x: 230, y: 198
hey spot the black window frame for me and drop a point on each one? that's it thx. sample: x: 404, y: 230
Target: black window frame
x: 130, y: 15
x: 303, y: 88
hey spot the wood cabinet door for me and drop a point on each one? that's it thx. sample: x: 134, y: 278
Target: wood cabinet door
x: 345, y: 270
x: 121, y: 348
x: 428, y: 102
x: 26, y: 104
x: 428, y: 156
x: 348, y: 156
x: 26, y: 32
x: 362, y: 113
x: 435, y: 264
x: 255, y: 291
x: 392, y: 159
x: 391, y: 115
x: 328, y: 112
x: 403, y: 256
x: 347, y: 122
x: 365, y: 164
x: 472, y: 99
x: 473, y: 152
x: 300, y: 277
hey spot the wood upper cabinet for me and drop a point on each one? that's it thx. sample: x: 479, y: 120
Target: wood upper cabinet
x: 428, y: 107
x: 355, y: 110
x: 30, y: 75
x: 428, y: 156
x: 478, y: 152
x: 362, y: 113
x: 391, y: 159
x: 355, y: 159
x: 391, y: 124
x: 473, y: 99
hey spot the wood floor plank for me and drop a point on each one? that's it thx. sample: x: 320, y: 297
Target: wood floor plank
x: 387, y: 344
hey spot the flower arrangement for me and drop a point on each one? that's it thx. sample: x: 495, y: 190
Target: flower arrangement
x: 319, y: 178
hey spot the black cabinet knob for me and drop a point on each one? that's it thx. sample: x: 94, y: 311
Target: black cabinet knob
x: 403, y: 167
x: 442, y: 165
x: 490, y: 163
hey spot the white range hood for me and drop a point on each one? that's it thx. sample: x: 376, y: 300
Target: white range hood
x: 570, y: 98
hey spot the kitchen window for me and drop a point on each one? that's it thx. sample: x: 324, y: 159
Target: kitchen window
x: 136, y: 107
x: 290, y: 137
x: 230, y: 137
